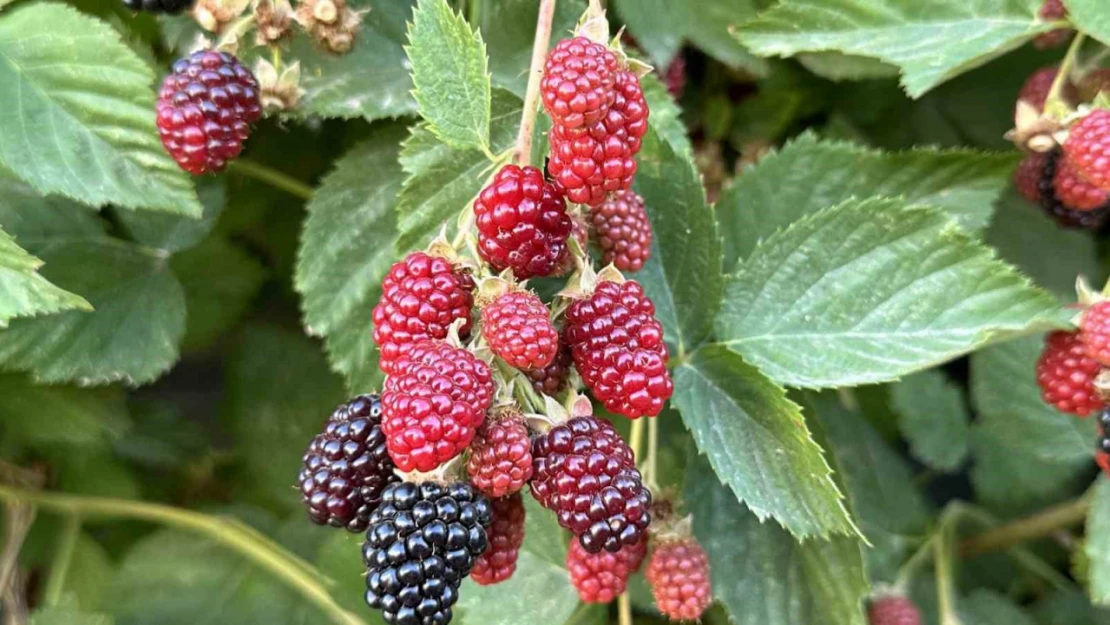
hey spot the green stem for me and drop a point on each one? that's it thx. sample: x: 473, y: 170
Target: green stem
x: 535, y: 72
x: 1039, y: 525
x: 269, y: 556
x: 923, y: 554
x: 272, y: 177
x: 636, y: 440
x: 650, y: 474
x: 624, y: 609
x: 942, y: 557
x: 63, y: 557
x: 474, y: 12
x: 1055, y: 101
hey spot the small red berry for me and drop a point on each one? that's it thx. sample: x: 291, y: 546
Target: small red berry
x: 602, y: 577
x: 518, y: 328
x: 522, y: 223
x: 618, y: 349
x: 1075, y: 192
x: 433, y: 403
x: 505, y: 535
x: 500, y: 461
x: 586, y: 474
x: 1064, y: 215
x: 577, y: 83
x: 679, y: 577
x: 205, y: 110
x: 1094, y: 331
x: 1088, y: 148
x: 675, y: 76
x: 553, y: 378
x: 623, y: 231
x: 1052, y: 11
x: 1027, y: 176
x: 893, y: 610
x: 1066, y: 375
x: 422, y: 296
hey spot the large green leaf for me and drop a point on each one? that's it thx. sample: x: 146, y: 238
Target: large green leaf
x: 930, y: 41
x: 683, y: 277
x: 67, y: 612
x: 1008, y: 400
x: 346, y: 250
x: 510, y: 49
x: 1097, y: 545
x: 220, y: 279
x: 809, y: 174
x: 757, y: 443
x: 709, y: 24
x: 49, y: 417
x: 658, y: 26
x: 279, y: 393
x: 869, y: 291
x: 986, y: 607
x: 762, y: 574
x: 1091, y: 16
x: 78, y: 113
x: 933, y: 417
x: 1017, y: 481
x: 450, y: 72
x: 174, y: 233
x: 23, y: 290
x: 666, y: 117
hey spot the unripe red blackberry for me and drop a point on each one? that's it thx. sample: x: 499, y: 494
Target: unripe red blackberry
x: 586, y: 474
x: 675, y: 76
x: 1075, y: 192
x: 679, y: 577
x: 1087, y: 148
x: 347, y: 467
x: 1064, y: 215
x: 522, y: 223
x: 1052, y: 11
x: 158, y: 6
x: 602, y: 577
x: 506, y: 535
x: 422, y: 296
x: 518, y: 328
x: 205, y: 110
x: 433, y: 403
x: 1066, y: 375
x: 1027, y: 176
x: 623, y: 231
x: 577, y: 83
x: 500, y: 462
x: 553, y: 378
x: 893, y: 610
x: 1094, y: 332
x: 422, y: 542
x: 618, y: 349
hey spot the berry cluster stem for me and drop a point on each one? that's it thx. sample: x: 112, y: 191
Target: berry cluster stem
x: 258, y: 549
x: 272, y: 177
x: 1039, y: 525
x: 535, y: 72
x: 1054, y: 101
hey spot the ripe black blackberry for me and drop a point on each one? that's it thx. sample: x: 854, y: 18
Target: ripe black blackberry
x: 1064, y: 216
x: 347, y: 466
x: 422, y: 542
x: 158, y: 6
x: 1102, y: 447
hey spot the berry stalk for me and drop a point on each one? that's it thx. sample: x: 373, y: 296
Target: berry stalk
x: 1039, y: 525
x: 535, y: 72
x: 1055, y: 101
x: 272, y: 177
x: 63, y: 558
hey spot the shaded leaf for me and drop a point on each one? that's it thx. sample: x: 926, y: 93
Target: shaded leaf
x: 1097, y: 545
x: 67, y: 613
x: 23, y: 290
x: 510, y: 49
x: 49, y: 417
x: 933, y: 417
x: 986, y: 607
x: 1018, y: 481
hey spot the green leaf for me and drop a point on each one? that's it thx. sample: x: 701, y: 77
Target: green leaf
x: 442, y: 181
x: 1097, y: 545
x: 868, y: 291
x: 683, y: 277
x: 837, y: 66
x: 810, y: 174
x: 346, y: 249
x: 370, y: 81
x: 66, y: 612
x: 220, y: 280
x: 762, y: 574
x: 1091, y: 17
x: 174, y: 233
x: 279, y: 393
x: 708, y: 23
x: 79, y: 113
x: 1018, y: 481
x: 48, y: 417
x: 539, y: 592
x: 451, y: 75
x: 933, y: 416
x: 510, y: 49
x: 930, y: 44
x: 23, y: 290
x: 757, y: 442
x: 666, y: 117
x: 1051, y: 256
x: 986, y: 607
x: 1007, y: 397
x: 658, y: 26
x: 163, y: 436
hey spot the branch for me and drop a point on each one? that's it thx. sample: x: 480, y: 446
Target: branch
x: 535, y: 72
x: 272, y: 177
x: 1040, y: 525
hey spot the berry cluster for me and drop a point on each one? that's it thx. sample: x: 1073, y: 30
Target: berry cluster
x: 893, y: 609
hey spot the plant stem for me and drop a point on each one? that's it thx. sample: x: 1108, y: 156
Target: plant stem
x: 535, y: 72
x: 636, y: 440
x: 1054, y: 100
x: 650, y: 474
x: 18, y: 518
x: 1039, y: 525
x: 923, y: 554
x: 269, y: 556
x: 942, y: 558
x: 624, y: 609
x: 63, y: 557
x: 272, y: 177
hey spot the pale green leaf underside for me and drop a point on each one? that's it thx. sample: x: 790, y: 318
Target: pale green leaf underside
x: 930, y: 41
x: 23, y: 290
x: 346, y: 249
x: 1092, y: 16
x: 810, y: 174
x: 1097, y: 545
x: 868, y: 291
x: 77, y: 113
x: 762, y: 574
x: 758, y: 443
x: 933, y: 417
x: 450, y: 72
x: 1005, y: 392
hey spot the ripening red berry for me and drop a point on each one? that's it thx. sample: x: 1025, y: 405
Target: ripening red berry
x: 553, y: 378
x: 517, y: 326
x: 679, y: 577
x: 602, y: 577
x: 1075, y: 192
x: 623, y: 231
x: 577, y: 83
x: 505, y: 535
x: 1027, y: 176
x: 1052, y: 11
x: 1087, y: 148
x: 893, y: 610
x: 1094, y: 331
x: 500, y: 461
x: 1066, y: 375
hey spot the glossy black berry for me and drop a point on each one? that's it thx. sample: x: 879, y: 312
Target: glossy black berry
x: 158, y: 6
x: 347, y: 467
x: 1064, y: 216
x: 422, y: 542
